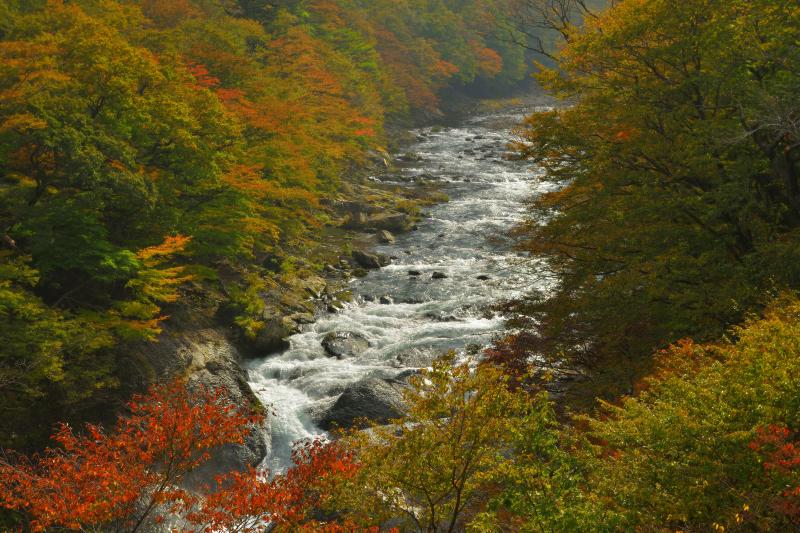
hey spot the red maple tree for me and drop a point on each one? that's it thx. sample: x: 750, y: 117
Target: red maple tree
x: 133, y: 476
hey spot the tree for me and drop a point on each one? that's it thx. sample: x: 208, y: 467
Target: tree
x: 671, y: 219
x: 132, y: 478
x: 690, y: 450
x: 438, y: 468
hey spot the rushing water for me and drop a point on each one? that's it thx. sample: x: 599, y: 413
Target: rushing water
x: 464, y: 238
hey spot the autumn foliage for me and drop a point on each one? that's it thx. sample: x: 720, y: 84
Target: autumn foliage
x: 780, y: 450
x: 135, y: 476
x: 154, y: 149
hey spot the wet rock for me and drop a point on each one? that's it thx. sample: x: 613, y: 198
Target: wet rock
x: 302, y: 318
x: 360, y: 272
x: 409, y: 158
x: 414, y: 359
x: 368, y: 297
x: 439, y: 275
x: 406, y: 375
x: 271, y: 338
x: 441, y: 317
x: 397, y: 222
x: 385, y: 237
x: 313, y: 285
x: 385, y: 300
x: 344, y: 344
x: 414, y: 273
x: 483, y: 277
x: 375, y: 399
x: 367, y: 260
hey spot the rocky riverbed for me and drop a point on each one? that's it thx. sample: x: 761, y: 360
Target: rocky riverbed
x: 429, y: 290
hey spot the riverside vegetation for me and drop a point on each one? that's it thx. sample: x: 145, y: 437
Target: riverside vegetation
x: 677, y: 218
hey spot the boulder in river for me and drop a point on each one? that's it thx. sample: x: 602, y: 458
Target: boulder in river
x: 375, y: 399
x: 367, y: 260
x: 385, y: 237
x: 344, y: 344
x: 414, y: 273
x: 386, y: 300
x: 271, y: 338
x: 483, y: 277
x: 438, y: 275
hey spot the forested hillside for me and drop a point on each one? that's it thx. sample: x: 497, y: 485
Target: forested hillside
x: 678, y: 207
x: 153, y: 151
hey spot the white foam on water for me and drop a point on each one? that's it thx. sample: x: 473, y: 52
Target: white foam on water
x: 463, y: 238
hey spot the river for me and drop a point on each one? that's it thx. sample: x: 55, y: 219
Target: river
x: 466, y: 239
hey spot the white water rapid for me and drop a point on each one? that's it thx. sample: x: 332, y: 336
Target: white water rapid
x: 464, y: 238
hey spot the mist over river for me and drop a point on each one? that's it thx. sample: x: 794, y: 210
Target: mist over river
x: 466, y: 239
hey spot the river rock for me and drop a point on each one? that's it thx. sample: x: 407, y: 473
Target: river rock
x: 375, y: 399
x: 386, y: 237
x: 415, y: 359
x: 367, y: 260
x: 414, y: 273
x: 438, y: 275
x: 397, y: 222
x: 386, y: 300
x: 272, y: 337
x: 483, y: 277
x: 409, y: 158
x: 302, y: 318
x: 344, y: 344
x: 314, y: 286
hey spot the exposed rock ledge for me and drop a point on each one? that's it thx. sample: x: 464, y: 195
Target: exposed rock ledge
x: 204, y: 356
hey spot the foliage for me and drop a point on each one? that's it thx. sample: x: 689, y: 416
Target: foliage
x: 468, y: 439
x: 678, y: 201
x: 150, y: 145
x: 681, y: 455
x: 132, y: 478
